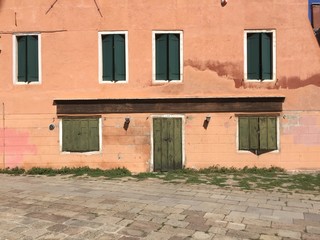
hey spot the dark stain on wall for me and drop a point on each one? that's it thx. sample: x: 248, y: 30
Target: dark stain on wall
x: 229, y: 69
x: 235, y: 72
x: 296, y: 82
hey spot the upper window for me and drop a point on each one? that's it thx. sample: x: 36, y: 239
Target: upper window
x: 27, y: 58
x: 113, y: 57
x: 260, y: 56
x: 315, y: 20
x: 167, y: 56
x: 315, y: 16
x: 258, y: 133
x: 80, y: 134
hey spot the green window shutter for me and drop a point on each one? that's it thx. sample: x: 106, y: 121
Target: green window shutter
x: 119, y: 57
x: 83, y: 136
x: 272, y: 133
x: 22, y: 58
x: 32, y: 59
x: 157, y: 126
x: 263, y: 133
x: 66, y: 135
x: 174, y: 56
x: 244, y: 143
x: 266, y: 55
x: 177, y: 140
x: 94, y: 134
x: 254, y: 133
x: 253, y: 56
x: 80, y: 135
x: 76, y: 135
x: 161, y: 56
x: 107, y: 57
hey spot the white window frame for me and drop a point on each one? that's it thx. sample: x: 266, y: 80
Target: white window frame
x: 182, y: 117
x: 15, y: 58
x: 81, y: 153
x: 257, y: 115
x: 100, y: 34
x: 274, y: 57
x: 154, y: 81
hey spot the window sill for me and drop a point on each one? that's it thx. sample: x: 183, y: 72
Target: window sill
x: 81, y: 153
x: 156, y: 82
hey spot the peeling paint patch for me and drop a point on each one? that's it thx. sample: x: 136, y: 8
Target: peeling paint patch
x: 17, y: 144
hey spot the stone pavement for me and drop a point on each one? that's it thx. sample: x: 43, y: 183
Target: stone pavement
x: 64, y: 207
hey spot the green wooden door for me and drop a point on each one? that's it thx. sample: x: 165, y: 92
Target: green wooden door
x: 167, y: 140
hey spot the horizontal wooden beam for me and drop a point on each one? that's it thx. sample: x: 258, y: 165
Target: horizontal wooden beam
x: 169, y: 105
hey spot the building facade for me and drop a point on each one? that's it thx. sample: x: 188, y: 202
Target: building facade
x: 158, y: 85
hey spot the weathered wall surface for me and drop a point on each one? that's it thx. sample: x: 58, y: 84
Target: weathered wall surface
x: 213, y: 66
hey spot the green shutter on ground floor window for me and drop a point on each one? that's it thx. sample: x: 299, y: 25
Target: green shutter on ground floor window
x: 266, y: 55
x: 263, y: 132
x: 22, y: 58
x: 80, y: 135
x: 254, y: 133
x: 107, y: 57
x: 32, y: 59
x: 94, y: 135
x: 244, y: 143
x: 253, y: 56
x: 66, y: 135
x: 157, y: 142
x: 174, y: 56
x: 83, y: 136
x: 161, y: 56
x: 177, y: 143
x: 272, y: 133
x: 119, y: 57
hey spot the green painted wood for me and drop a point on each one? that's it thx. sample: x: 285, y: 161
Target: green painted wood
x: 119, y: 57
x: 266, y: 55
x: 254, y: 133
x: 272, y: 133
x: 253, y: 56
x: 167, y: 140
x: 32, y: 59
x: 107, y: 57
x: 75, y: 125
x: 244, y: 142
x: 66, y: 135
x: 94, y: 135
x: 177, y: 139
x: 174, y: 57
x: 161, y: 56
x: 157, y: 142
x: 263, y: 133
x: 164, y: 145
x: 22, y: 58
x: 83, y: 136
x: 80, y: 135
x: 171, y: 144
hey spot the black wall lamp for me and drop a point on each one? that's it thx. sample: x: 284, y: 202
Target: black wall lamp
x: 126, y: 123
x: 206, y: 121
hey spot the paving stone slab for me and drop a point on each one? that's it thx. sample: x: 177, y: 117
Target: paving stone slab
x: 63, y: 208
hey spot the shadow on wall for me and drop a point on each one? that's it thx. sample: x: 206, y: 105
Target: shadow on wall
x: 235, y: 72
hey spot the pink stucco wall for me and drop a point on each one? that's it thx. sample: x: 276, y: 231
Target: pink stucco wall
x: 213, y: 66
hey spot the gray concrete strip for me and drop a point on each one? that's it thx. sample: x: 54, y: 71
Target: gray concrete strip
x: 63, y: 207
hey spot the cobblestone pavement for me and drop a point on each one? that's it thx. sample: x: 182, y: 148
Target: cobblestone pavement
x: 63, y: 207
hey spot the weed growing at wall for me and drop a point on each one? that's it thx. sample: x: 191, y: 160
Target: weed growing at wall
x: 273, y: 178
